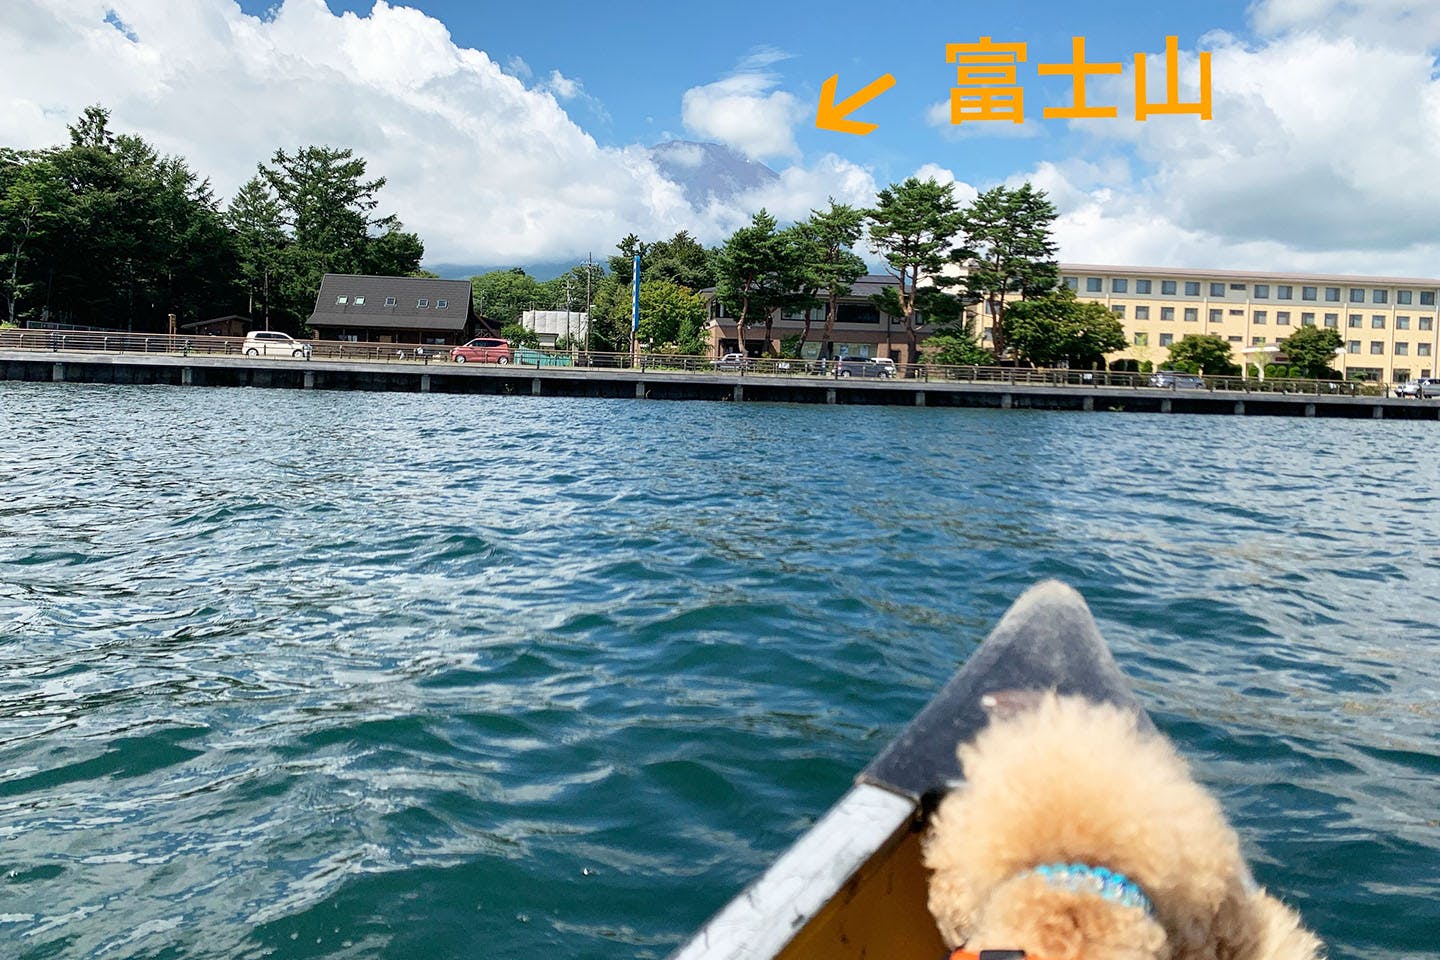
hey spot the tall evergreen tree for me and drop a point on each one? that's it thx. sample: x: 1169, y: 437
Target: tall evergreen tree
x: 750, y: 273
x: 913, y: 226
x: 831, y: 262
x: 1008, y: 253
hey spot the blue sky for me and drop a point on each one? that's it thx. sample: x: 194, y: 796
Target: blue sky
x: 636, y: 60
x: 519, y: 133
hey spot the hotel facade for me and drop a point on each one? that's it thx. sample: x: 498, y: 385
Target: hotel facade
x: 1387, y: 324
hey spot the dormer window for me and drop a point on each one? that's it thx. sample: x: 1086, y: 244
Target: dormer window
x: 422, y: 303
x: 341, y: 300
x: 359, y: 301
x: 389, y: 301
x: 441, y: 304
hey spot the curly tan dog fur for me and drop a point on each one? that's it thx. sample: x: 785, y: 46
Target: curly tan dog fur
x: 1070, y: 781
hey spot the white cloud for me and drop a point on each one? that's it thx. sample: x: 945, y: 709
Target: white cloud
x: 1312, y: 161
x: 1412, y: 24
x: 484, y: 168
x: 745, y: 112
x: 937, y: 115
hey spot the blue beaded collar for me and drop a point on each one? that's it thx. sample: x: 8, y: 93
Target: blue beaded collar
x: 1109, y: 884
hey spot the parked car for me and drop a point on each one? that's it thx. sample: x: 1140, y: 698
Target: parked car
x: 1419, y: 388
x: 273, y: 343
x: 482, y: 350
x: 1177, y: 380
x: 733, y: 361
x: 864, y: 367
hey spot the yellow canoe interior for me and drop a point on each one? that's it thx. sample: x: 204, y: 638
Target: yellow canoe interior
x: 880, y: 914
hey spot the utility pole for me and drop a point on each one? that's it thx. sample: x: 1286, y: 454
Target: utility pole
x: 589, y: 270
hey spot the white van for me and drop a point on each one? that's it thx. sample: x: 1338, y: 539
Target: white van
x: 273, y: 343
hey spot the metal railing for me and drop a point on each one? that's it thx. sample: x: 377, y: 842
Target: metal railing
x: 529, y: 357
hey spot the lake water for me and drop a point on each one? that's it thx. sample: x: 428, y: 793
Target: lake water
x: 295, y: 674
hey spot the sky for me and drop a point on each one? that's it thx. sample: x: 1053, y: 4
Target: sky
x: 517, y: 133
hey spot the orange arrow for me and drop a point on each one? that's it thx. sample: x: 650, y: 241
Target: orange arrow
x: 835, y: 116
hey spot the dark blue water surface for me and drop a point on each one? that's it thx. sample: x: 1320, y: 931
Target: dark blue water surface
x: 294, y: 674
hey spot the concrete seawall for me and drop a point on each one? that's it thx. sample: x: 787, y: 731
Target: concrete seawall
x: 440, y: 377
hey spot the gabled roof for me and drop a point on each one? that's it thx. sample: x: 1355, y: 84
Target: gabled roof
x: 366, y: 303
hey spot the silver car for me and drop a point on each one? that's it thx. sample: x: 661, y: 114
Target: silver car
x: 1419, y: 388
x: 1174, y: 379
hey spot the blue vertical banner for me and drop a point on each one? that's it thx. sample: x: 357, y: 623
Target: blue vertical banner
x: 635, y: 300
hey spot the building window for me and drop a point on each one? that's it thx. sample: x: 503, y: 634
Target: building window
x: 1283, y: 292
x: 1093, y: 285
x: 1142, y: 339
x: 1379, y: 296
x: 1237, y: 313
x: 340, y: 300
x: 1142, y: 286
x: 1166, y: 339
x: 1427, y: 298
x: 1072, y: 283
x: 1257, y: 341
x: 1217, y: 289
x: 1119, y: 285
x: 1357, y: 295
x: 441, y: 304
x: 389, y: 301
x: 1377, y: 346
x: 1332, y: 294
x: 1402, y: 323
x: 1260, y: 317
x: 1307, y: 319
x: 359, y: 301
x: 1423, y: 349
x: 1427, y: 323
x: 1332, y: 320
x: 1118, y: 309
x: 422, y: 303
x: 1167, y: 287
x: 1377, y: 321
x: 1402, y: 296
x: 1238, y: 286
x: 1192, y: 288
x: 1262, y: 291
x: 1402, y: 349
x: 1234, y: 339
x: 1354, y: 320
x: 1142, y: 313
x: 1167, y: 313
x: 1352, y: 346
x: 1216, y: 316
x: 1307, y: 293
x: 1192, y: 314
x: 1282, y: 318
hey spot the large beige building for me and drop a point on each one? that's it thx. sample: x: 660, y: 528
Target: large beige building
x: 1387, y: 323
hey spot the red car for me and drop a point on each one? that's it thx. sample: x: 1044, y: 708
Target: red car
x: 482, y: 350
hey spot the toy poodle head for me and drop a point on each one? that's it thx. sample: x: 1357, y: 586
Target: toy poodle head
x: 1076, y: 835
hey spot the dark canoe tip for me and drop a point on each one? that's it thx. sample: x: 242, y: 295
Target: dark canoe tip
x: 1047, y: 640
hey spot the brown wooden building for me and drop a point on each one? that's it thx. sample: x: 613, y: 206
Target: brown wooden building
x: 417, y: 310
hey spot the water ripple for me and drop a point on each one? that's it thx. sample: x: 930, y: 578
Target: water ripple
x: 363, y: 675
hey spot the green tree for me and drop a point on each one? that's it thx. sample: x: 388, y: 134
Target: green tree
x: 519, y: 335
x: 254, y: 217
x: 622, y: 264
x: 680, y: 260
x: 328, y: 209
x: 30, y: 199
x: 913, y: 226
x: 671, y: 317
x: 829, y: 262
x: 1312, y: 351
x: 1008, y: 253
x: 1057, y: 328
x: 752, y: 274
x: 1201, y: 353
x: 957, y: 347
x: 502, y: 295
